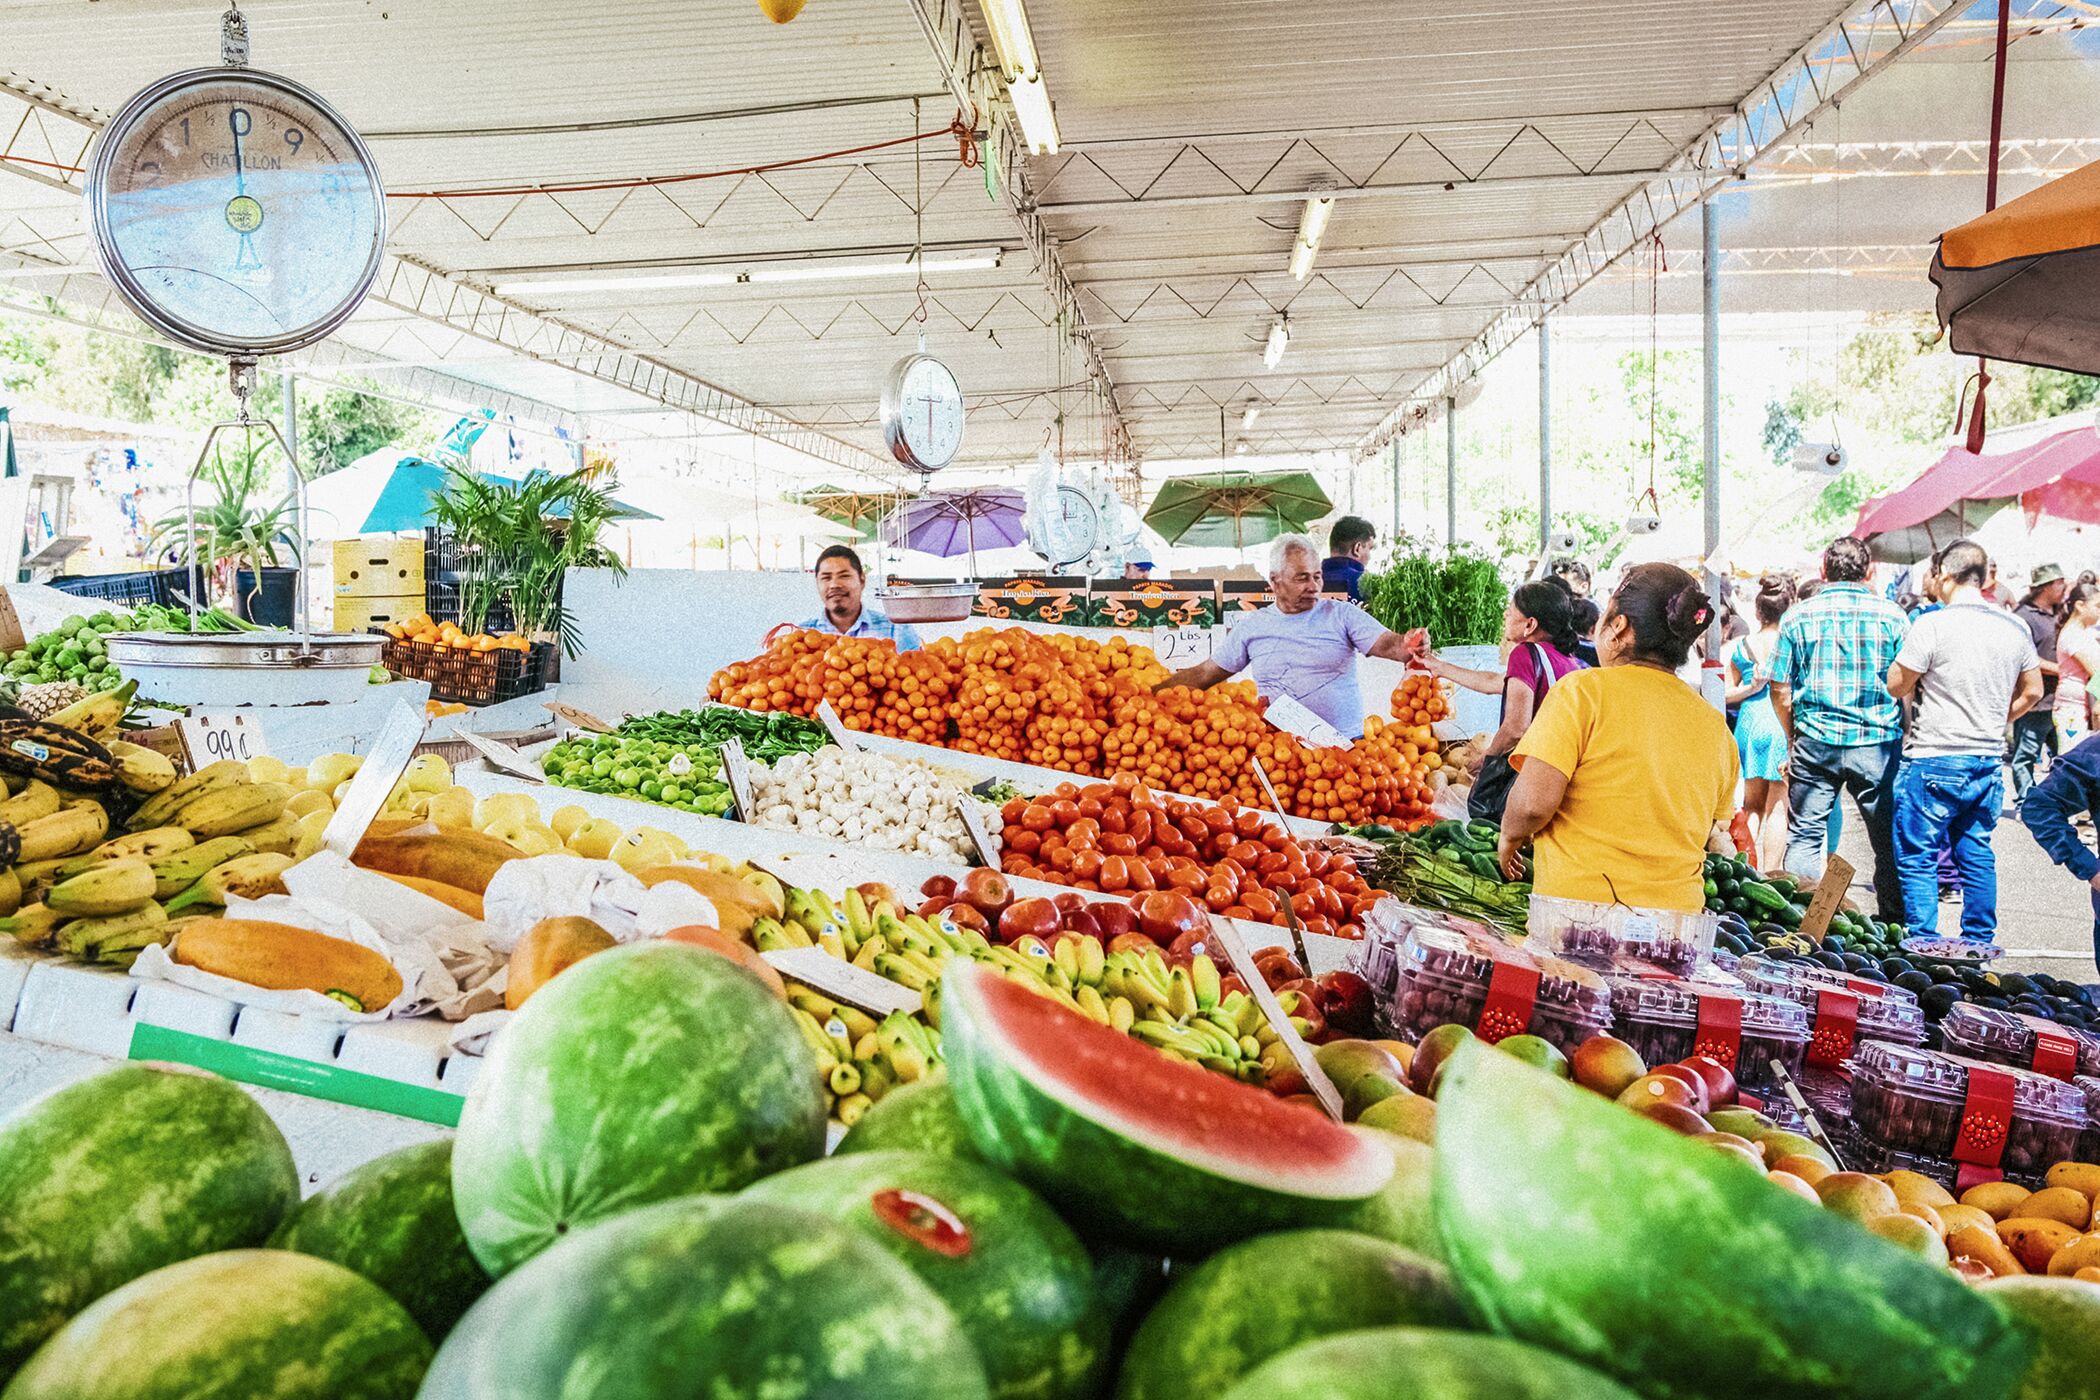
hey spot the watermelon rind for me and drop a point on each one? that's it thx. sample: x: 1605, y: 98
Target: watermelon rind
x: 1261, y: 1297
x: 709, y: 1296
x: 1416, y: 1363
x: 1583, y: 1228
x: 391, y: 1219
x: 122, y: 1173
x: 1023, y: 1291
x: 1114, y: 1162
x: 247, y: 1324
x: 920, y: 1117
x: 2065, y: 1316
x: 643, y: 1073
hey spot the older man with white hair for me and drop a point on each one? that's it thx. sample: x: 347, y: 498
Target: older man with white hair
x: 1303, y: 645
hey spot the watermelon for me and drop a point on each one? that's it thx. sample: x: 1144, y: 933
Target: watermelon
x: 1402, y: 1213
x: 1416, y: 1363
x: 1576, y: 1225
x: 1263, y: 1296
x: 248, y: 1324
x: 392, y: 1221
x: 2065, y: 1315
x: 1137, y: 1146
x: 709, y: 1296
x: 918, y: 1117
x: 118, y: 1174
x: 642, y: 1073
x: 1015, y: 1276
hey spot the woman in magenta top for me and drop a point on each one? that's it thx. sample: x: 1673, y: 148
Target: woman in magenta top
x: 1538, y: 644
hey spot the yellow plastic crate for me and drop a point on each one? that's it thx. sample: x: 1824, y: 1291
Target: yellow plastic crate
x: 366, y: 614
x: 378, y: 568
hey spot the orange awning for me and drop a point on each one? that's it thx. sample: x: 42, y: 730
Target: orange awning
x: 2022, y: 283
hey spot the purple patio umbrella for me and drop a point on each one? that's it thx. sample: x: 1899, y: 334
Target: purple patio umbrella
x: 948, y: 523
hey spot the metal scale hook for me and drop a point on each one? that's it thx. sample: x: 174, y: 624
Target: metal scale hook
x: 241, y: 379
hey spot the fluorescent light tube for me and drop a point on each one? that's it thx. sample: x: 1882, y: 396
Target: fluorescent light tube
x: 1038, y: 122
x: 1279, y: 341
x: 1019, y: 65
x: 1312, y: 227
x: 814, y: 270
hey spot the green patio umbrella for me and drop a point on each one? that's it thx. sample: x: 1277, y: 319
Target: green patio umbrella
x: 856, y: 510
x: 1236, y: 509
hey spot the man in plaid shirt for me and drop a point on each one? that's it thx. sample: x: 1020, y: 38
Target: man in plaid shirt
x: 1844, y: 729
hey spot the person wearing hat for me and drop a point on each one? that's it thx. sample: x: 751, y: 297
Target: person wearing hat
x: 1138, y: 568
x: 2034, y: 733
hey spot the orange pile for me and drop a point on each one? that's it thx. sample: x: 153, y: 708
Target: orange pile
x: 447, y: 634
x: 1081, y: 706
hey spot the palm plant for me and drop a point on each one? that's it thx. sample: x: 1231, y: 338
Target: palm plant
x: 235, y: 529
x: 518, y: 539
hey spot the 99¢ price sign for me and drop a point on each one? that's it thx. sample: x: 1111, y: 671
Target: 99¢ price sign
x: 208, y: 739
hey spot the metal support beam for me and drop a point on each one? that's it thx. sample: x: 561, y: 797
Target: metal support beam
x: 1600, y: 184
x: 1710, y: 415
x: 1866, y: 38
x: 1545, y: 437
x: 1395, y: 450
x: 1451, y: 471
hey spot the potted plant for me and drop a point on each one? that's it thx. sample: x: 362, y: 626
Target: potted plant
x: 241, y: 543
x: 517, y: 539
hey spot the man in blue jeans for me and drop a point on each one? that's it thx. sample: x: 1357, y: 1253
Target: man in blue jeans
x: 1843, y: 727
x: 2073, y: 786
x: 1973, y: 670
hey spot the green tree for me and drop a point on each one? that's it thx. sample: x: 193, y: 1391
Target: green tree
x: 339, y: 426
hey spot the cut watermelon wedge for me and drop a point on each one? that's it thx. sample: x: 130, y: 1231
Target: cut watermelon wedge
x: 1138, y: 1147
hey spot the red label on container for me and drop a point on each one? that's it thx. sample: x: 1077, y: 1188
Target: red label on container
x: 1966, y: 1176
x: 1865, y: 988
x: 2055, y: 1054
x: 1513, y: 993
x: 1720, y: 1029
x: 1836, y: 1027
x: 1986, y: 1118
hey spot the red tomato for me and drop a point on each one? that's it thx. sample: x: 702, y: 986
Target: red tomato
x: 1115, y: 818
x: 1141, y: 877
x: 1115, y: 874
x: 1247, y: 853
x: 1036, y: 817
x: 1260, y: 904
x: 1023, y: 840
x: 1060, y: 860
x: 1248, y: 822
x: 1272, y: 863
x: 1064, y: 811
x: 1089, y: 807
x: 1218, y: 899
x: 1275, y: 837
x: 1010, y: 812
x: 1067, y: 791
x: 1084, y: 830
x: 1086, y: 865
x: 1141, y: 827
x: 1189, y: 880
x: 1116, y: 843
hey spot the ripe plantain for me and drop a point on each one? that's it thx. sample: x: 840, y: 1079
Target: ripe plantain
x: 151, y: 844
x: 142, y: 769
x: 83, y: 938
x: 97, y: 715
x: 36, y: 799
x: 32, y: 924
x: 156, y: 810
x: 66, y: 832
x: 278, y: 836
x: 177, y: 871
x: 249, y: 877
x: 223, y: 811
x: 112, y: 887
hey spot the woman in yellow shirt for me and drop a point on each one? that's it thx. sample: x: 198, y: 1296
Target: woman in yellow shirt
x: 1626, y: 769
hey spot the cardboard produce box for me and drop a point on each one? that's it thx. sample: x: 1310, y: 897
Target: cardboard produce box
x: 378, y: 568
x: 1063, y: 600
x: 1155, y: 603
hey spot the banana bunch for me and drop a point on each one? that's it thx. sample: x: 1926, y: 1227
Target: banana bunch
x: 860, y: 1058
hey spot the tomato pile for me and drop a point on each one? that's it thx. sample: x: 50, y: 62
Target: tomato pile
x: 1087, y: 707
x: 1122, y: 837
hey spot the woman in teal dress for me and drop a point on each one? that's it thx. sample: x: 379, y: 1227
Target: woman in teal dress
x: 1758, y: 739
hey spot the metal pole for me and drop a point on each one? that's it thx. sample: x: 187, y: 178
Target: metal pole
x: 1545, y: 438
x: 1396, y: 486
x: 1451, y: 471
x: 1710, y: 278
x: 302, y: 604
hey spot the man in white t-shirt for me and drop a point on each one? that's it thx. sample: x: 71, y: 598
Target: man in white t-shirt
x: 1972, y: 669
x: 1303, y: 645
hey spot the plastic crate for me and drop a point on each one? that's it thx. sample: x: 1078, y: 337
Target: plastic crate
x: 125, y: 590
x: 444, y: 566
x: 470, y: 677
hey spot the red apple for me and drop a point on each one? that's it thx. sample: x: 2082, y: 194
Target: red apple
x: 987, y: 890
x: 875, y: 892
x: 966, y: 916
x: 1069, y: 900
x: 1168, y: 914
x: 1693, y: 1080
x: 1115, y: 920
x: 1349, y: 1002
x: 1130, y: 942
x: 1720, y: 1081
x: 1080, y: 923
x: 941, y: 886
x: 934, y: 906
x: 1029, y: 918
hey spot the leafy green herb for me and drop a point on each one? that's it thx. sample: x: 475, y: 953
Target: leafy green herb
x: 1456, y: 593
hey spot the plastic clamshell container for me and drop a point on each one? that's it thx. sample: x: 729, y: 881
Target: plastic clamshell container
x: 2089, y: 1140
x: 1842, y: 1010
x: 1986, y: 1116
x: 1676, y: 1018
x: 1484, y: 982
x: 2015, y: 1038
x: 1597, y: 933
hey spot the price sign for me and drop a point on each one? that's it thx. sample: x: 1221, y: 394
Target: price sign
x: 1293, y: 718
x: 980, y: 835
x: 1837, y: 878
x: 736, y: 770
x: 501, y: 756
x: 374, y: 783
x: 1180, y: 646
x: 836, y: 728
x: 842, y: 981
x: 213, y: 738
x: 1323, y: 1088
x: 582, y: 719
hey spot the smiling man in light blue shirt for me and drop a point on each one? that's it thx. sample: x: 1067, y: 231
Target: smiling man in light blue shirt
x: 840, y: 583
x: 1303, y: 645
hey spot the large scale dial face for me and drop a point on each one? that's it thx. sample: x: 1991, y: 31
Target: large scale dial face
x: 1074, y: 526
x: 236, y: 212
x: 923, y: 414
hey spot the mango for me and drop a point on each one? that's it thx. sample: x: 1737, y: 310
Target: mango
x: 1913, y: 1234
x: 1984, y: 1246
x: 2073, y: 1208
x: 2081, y: 1253
x: 1916, y: 1186
x: 1856, y: 1195
x: 1954, y: 1217
x: 1997, y: 1199
x: 1808, y: 1169
x: 1919, y: 1211
x: 2034, y: 1241
x: 2082, y: 1177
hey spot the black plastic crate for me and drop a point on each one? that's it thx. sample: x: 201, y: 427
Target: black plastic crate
x: 125, y: 590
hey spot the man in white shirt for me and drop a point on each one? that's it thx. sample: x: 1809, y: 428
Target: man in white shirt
x: 1972, y: 669
x: 1303, y: 645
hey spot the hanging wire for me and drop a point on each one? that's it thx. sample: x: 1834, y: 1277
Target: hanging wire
x: 918, y: 214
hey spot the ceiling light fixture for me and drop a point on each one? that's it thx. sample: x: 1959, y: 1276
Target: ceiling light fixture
x: 1008, y: 20
x: 1279, y: 341
x: 1312, y: 227
x: 808, y: 270
x: 1247, y: 418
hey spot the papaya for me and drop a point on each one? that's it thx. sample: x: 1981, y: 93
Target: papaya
x: 549, y: 948
x: 281, y: 957
x: 737, y: 905
x: 465, y: 901
x: 466, y: 860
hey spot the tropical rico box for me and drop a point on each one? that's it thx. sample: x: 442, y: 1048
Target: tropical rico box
x: 1236, y: 596
x: 1059, y: 599
x: 1155, y: 603
x: 378, y: 568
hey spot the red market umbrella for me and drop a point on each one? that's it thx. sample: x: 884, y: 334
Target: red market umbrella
x: 2055, y: 474
x: 948, y: 523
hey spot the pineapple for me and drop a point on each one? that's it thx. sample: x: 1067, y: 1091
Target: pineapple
x: 43, y: 701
